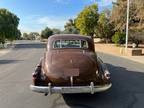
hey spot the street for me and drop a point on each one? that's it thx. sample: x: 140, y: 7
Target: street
x: 16, y: 69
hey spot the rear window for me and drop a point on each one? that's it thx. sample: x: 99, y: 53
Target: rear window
x: 70, y: 44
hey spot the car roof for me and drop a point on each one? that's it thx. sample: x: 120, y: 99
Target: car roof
x: 68, y: 36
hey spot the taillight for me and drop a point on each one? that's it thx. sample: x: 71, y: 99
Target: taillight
x: 107, y: 74
x: 34, y: 75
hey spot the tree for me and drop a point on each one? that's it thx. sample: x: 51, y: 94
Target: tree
x: 18, y: 35
x: 70, y: 27
x: 104, y: 29
x: 33, y: 35
x: 136, y: 20
x: 118, y: 38
x: 25, y: 36
x: 46, y: 33
x: 56, y: 31
x: 8, y: 25
x: 86, y: 21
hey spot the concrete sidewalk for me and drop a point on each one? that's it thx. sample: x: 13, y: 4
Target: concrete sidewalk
x: 113, y: 50
x: 4, y: 51
x: 7, y: 49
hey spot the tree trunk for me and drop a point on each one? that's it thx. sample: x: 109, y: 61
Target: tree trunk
x: 3, y: 45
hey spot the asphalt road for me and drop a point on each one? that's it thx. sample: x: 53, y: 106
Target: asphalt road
x: 15, y: 77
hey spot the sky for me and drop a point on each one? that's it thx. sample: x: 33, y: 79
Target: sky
x: 35, y: 15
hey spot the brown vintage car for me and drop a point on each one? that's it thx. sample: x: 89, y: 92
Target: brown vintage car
x: 70, y: 65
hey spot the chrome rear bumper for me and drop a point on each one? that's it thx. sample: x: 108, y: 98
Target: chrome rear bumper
x: 71, y: 89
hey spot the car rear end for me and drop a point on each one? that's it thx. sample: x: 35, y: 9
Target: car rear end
x: 72, y: 69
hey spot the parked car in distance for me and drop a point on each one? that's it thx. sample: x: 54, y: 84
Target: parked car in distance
x: 70, y: 65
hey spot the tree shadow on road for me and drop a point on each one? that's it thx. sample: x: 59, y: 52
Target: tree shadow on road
x: 33, y: 45
x: 123, y: 93
x: 9, y: 61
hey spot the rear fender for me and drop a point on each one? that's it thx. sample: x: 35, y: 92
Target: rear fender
x: 103, y: 70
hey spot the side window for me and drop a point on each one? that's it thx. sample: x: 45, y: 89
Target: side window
x: 84, y: 44
x: 57, y: 44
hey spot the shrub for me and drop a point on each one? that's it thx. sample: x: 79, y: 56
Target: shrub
x: 136, y: 40
x: 118, y: 38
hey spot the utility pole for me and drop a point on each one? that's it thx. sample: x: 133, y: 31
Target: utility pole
x: 127, y: 26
